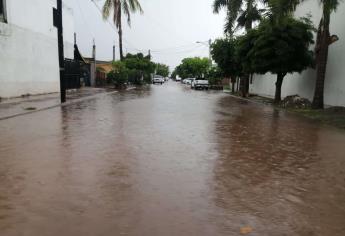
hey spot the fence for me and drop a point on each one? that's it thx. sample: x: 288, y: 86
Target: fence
x: 72, y: 74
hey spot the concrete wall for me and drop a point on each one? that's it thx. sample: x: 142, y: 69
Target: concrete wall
x: 28, y: 48
x: 303, y: 84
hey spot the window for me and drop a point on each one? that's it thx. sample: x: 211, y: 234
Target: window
x: 2, y: 11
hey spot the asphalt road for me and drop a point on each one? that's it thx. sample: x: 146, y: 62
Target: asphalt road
x: 167, y: 160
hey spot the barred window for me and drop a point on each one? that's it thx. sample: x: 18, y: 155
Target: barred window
x: 2, y: 11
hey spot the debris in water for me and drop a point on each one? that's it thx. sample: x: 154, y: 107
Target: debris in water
x: 246, y: 230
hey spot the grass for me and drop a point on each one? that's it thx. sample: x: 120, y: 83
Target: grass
x: 330, y: 116
x: 334, y: 116
x: 226, y: 87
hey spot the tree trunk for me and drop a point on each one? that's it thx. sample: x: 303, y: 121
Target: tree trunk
x: 233, y: 81
x: 277, y: 97
x: 238, y: 84
x: 244, y: 83
x: 120, y: 37
x: 322, y: 46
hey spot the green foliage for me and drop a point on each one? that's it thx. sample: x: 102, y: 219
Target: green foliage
x: 174, y: 74
x: 134, y: 68
x: 223, y: 52
x: 195, y: 67
x: 214, y: 75
x: 277, y: 48
x: 119, y: 74
x: 139, y: 68
x: 119, y: 7
x: 162, y: 70
x: 280, y: 47
x: 239, y: 13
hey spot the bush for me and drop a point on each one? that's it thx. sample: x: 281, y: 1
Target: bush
x: 119, y: 75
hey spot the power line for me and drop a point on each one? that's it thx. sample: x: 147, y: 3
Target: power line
x: 112, y: 26
x: 179, y: 52
x: 155, y: 51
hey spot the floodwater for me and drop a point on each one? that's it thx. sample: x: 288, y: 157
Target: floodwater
x: 166, y: 160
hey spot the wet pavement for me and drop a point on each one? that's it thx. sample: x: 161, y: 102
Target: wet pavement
x: 166, y: 160
x: 28, y: 104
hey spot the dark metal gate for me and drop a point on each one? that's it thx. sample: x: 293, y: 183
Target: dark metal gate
x: 72, y: 74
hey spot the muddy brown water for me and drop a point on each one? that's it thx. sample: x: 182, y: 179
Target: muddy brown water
x: 166, y: 160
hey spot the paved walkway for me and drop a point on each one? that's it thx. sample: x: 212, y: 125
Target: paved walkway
x: 24, y: 105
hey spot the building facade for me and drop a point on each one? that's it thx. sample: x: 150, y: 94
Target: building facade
x: 304, y: 84
x: 29, y: 48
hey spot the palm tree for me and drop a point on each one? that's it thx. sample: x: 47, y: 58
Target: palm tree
x: 239, y: 17
x: 323, y: 41
x: 117, y: 7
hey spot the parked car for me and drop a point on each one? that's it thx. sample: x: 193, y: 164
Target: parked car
x: 178, y: 79
x: 158, y: 80
x: 199, y: 84
x: 187, y: 81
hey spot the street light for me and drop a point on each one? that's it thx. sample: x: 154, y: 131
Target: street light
x: 208, y: 44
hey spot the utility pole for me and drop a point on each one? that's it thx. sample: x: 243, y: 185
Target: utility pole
x: 94, y: 63
x: 209, y: 50
x: 114, y: 52
x: 57, y: 19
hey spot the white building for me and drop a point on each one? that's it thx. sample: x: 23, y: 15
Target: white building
x: 304, y: 84
x: 29, y: 48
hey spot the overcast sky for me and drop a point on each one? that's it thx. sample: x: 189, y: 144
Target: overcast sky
x: 170, y: 28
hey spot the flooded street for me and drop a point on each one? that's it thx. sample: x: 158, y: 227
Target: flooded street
x: 167, y: 160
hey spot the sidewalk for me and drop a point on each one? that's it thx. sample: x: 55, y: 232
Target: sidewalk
x: 333, y: 116
x: 19, y: 106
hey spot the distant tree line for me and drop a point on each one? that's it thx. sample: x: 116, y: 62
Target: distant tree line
x: 135, y: 69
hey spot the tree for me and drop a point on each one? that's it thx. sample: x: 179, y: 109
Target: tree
x: 162, y: 70
x: 239, y: 17
x: 214, y: 75
x: 323, y: 41
x: 223, y: 52
x: 117, y: 7
x: 195, y: 67
x: 278, y: 48
x: 119, y: 74
x: 139, y: 67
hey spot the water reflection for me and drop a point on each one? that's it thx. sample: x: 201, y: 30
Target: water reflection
x: 167, y: 160
x: 269, y: 165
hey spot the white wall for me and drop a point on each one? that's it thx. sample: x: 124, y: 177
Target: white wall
x: 304, y: 84
x: 28, y: 48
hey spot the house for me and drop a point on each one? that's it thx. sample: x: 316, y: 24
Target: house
x: 99, y: 77
x: 304, y: 84
x: 29, y: 47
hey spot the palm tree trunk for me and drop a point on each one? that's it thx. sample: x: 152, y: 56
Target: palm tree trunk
x: 244, y: 82
x: 280, y: 78
x: 120, y: 37
x: 322, y: 45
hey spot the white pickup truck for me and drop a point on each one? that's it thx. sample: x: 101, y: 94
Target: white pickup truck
x: 199, y: 84
x: 158, y: 80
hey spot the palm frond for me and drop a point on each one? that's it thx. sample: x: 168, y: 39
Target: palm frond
x: 219, y: 4
x: 127, y: 11
x: 107, y: 7
x: 135, y: 6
